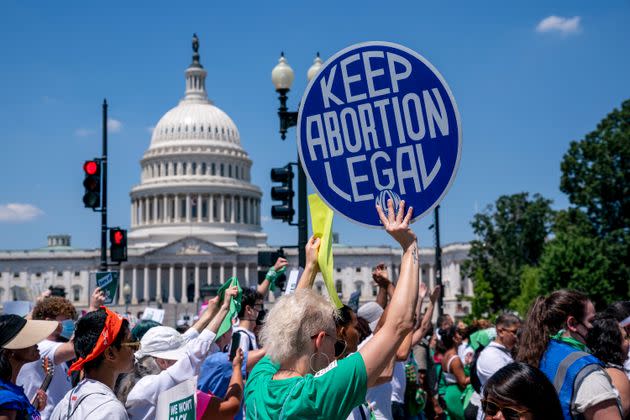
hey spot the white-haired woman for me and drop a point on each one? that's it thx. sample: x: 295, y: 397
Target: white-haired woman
x: 297, y: 379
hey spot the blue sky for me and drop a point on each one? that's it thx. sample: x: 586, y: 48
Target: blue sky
x: 528, y: 78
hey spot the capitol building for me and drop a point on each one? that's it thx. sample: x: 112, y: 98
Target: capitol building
x: 195, y: 221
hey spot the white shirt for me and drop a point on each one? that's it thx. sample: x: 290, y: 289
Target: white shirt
x: 491, y: 359
x: 399, y: 382
x: 32, y: 375
x: 626, y: 365
x: 142, y: 399
x: 595, y: 388
x: 247, y: 338
x: 379, y: 398
x: 91, y: 400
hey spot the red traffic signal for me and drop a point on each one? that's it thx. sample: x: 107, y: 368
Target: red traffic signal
x: 92, y: 183
x: 118, y: 244
x: 91, y: 167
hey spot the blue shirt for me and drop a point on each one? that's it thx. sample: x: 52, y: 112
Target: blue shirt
x: 12, y: 398
x: 215, y: 374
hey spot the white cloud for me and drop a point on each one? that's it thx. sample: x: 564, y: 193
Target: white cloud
x: 114, y: 125
x: 83, y: 132
x: 18, y: 212
x: 563, y: 25
x: 150, y: 129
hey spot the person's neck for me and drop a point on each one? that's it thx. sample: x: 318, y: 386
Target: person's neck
x: 500, y: 342
x: 103, y: 374
x: 576, y: 337
x: 247, y: 324
x: 15, y: 369
x: 295, y: 367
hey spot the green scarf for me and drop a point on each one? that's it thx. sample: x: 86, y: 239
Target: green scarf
x: 235, y: 305
x: 272, y: 275
x: 570, y: 341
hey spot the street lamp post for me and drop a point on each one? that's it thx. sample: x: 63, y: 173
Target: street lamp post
x: 282, y: 77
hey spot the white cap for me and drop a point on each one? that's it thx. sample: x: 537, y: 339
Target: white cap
x: 163, y: 342
x: 371, y: 312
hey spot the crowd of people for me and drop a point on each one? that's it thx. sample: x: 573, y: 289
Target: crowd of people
x: 306, y: 359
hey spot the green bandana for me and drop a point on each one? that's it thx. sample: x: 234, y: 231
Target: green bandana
x: 235, y: 305
x: 570, y: 341
x: 272, y: 276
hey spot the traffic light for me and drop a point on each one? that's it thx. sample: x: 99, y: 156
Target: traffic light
x: 283, y: 193
x: 92, y: 184
x: 118, y: 244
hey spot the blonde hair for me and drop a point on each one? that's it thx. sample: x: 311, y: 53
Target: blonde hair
x: 293, y: 320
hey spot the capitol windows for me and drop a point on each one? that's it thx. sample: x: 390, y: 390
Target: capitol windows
x: 76, y: 274
x: 16, y: 275
x: 339, y: 287
x: 182, y: 208
x: 184, y: 168
x: 222, y: 171
x: 204, y: 208
x: 228, y: 209
x: 374, y: 290
x: 193, y: 207
x: 215, y: 210
x: 358, y: 286
x: 76, y: 293
x: 171, y: 207
x: 166, y: 169
x: 230, y: 171
x: 194, y: 168
x: 203, y: 168
x: 319, y: 287
x: 212, y: 169
x: 59, y: 273
x: 174, y: 168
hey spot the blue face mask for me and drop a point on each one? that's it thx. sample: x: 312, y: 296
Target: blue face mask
x: 67, y: 329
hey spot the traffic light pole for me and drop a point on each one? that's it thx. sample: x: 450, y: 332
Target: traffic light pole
x: 103, y: 265
x: 302, y: 209
x: 438, y: 261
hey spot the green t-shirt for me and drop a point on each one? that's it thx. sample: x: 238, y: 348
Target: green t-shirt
x: 331, y: 393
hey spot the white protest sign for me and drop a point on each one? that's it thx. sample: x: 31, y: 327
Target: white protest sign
x: 179, y: 402
x: 153, y: 314
x: 292, y: 282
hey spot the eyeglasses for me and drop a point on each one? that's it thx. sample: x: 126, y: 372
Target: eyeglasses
x: 133, y: 345
x: 491, y: 408
x: 340, y: 345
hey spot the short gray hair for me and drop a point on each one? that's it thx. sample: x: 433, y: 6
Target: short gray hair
x: 293, y: 320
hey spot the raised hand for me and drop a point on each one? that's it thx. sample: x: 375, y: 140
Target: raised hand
x: 312, y: 249
x: 230, y: 292
x: 238, y: 359
x: 97, y: 299
x: 435, y: 294
x: 398, y: 225
x: 280, y: 264
x: 380, y: 276
x: 422, y: 291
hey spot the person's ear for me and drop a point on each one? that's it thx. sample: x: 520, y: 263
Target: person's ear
x: 572, y: 323
x: 109, y: 354
x: 319, y: 340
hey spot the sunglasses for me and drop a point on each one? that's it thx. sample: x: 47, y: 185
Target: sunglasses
x: 491, y: 408
x: 340, y: 345
x: 133, y: 345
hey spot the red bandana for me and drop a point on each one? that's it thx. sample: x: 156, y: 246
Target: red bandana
x: 113, y: 323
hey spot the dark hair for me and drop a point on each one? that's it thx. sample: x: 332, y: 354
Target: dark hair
x: 53, y: 306
x: 523, y: 385
x: 507, y: 319
x: 363, y: 327
x: 441, y: 319
x: 250, y: 296
x: 619, y: 310
x: 605, y: 340
x: 343, y: 316
x: 142, y: 327
x: 86, y: 334
x: 5, y: 366
x: 546, y: 317
x: 447, y: 337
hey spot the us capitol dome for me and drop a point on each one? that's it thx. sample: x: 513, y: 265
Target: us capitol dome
x: 196, y: 176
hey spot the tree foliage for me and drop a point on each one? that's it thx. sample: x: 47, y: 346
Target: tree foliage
x: 530, y: 289
x: 511, y: 234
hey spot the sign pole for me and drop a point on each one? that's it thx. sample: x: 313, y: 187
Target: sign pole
x: 438, y: 261
x: 103, y: 265
x: 302, y: 226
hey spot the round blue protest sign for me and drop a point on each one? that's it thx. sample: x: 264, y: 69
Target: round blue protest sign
x: 379, y: 122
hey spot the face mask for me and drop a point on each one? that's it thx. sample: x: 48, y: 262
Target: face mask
x: 67, y: 329
x: 261, y: 316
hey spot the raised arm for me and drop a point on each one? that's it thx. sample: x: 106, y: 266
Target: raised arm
x: 400, y: 318
x: 311, y: 269
x: 216, y: 321
x: 207, y: 315
x: 228, y: 406
x: 276, y: 270
x: 421, y: 331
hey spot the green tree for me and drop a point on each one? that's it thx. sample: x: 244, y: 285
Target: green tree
x: 596, y: 178
x: 530, y: 289
x: 511, y: 234
x: 596, y: 174
x: 483, y: 298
